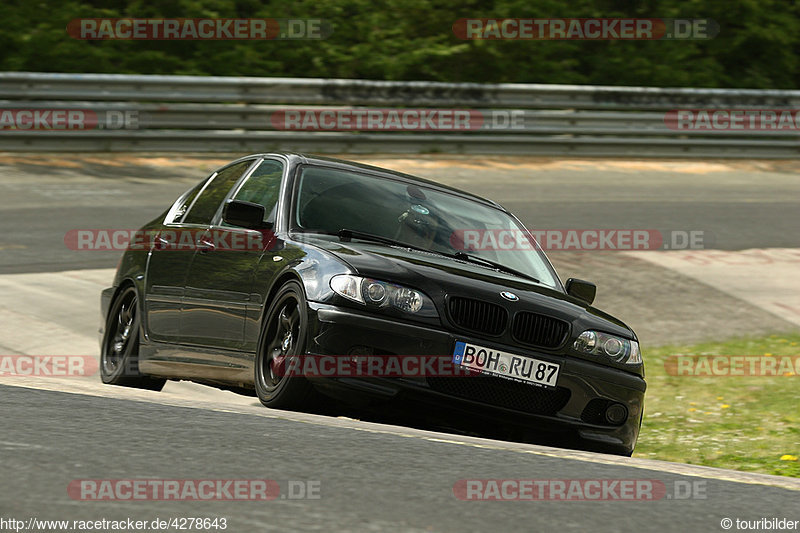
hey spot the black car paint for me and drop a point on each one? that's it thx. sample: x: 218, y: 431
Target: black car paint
x: 208, y: 331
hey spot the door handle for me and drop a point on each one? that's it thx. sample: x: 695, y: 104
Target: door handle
x: 161, y: 243
x: 205, y: 246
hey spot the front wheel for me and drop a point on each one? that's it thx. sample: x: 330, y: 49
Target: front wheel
x: 119, y: 354
x: 283, y: 336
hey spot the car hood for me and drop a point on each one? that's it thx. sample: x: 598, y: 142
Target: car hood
x: 439, y: 276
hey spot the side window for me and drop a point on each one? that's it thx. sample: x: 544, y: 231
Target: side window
x: 179, y: 208
x: 263, y: 187
x: 205, y: 206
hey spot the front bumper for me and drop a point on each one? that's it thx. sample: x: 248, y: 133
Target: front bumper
x: 569, y: 410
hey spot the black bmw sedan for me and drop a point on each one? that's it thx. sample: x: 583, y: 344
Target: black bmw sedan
x: 281, y: 274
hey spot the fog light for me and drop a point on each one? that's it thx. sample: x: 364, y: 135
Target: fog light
x: 616, y: 413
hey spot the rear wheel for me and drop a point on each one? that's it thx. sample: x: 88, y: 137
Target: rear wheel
x: 119, y: 355
x: 282, y: 338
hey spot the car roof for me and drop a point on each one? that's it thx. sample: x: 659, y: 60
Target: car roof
x: 343, y: 164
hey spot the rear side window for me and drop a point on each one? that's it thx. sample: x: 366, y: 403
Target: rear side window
x: 181, y: 206
x: 210, y: 198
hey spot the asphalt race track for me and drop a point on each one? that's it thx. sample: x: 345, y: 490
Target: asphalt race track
x: 373, y: 476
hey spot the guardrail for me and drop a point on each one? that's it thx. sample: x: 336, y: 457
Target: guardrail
x: 231, y: 114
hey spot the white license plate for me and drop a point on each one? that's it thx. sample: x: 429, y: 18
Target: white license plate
x: 507, y: 365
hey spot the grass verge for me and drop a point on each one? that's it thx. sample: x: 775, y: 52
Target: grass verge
x: 742, y: 423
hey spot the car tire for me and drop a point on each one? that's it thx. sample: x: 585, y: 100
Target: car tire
x: 119, y: 353
x: 283, y: 335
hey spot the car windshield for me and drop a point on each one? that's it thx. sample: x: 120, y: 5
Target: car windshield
x: 330, y: 200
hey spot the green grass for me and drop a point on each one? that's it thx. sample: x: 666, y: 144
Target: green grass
x: 741, y: 423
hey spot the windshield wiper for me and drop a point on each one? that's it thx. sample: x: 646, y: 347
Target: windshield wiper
x: 345, y: 235
x: 493, y: 264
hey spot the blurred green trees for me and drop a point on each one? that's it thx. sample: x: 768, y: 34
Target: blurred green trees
x: 757, y: 46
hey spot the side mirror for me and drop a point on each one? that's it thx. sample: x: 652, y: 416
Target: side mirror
x: 583, y: 290
x: 245, y: 214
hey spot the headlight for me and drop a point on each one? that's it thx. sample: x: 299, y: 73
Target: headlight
x: 376, y: 293
x: 615, y: 348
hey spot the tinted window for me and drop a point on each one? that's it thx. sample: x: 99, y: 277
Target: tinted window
x: 179, y: 208
x: 263, y: 187
x: 330, y: 200
x: 211, y: 197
